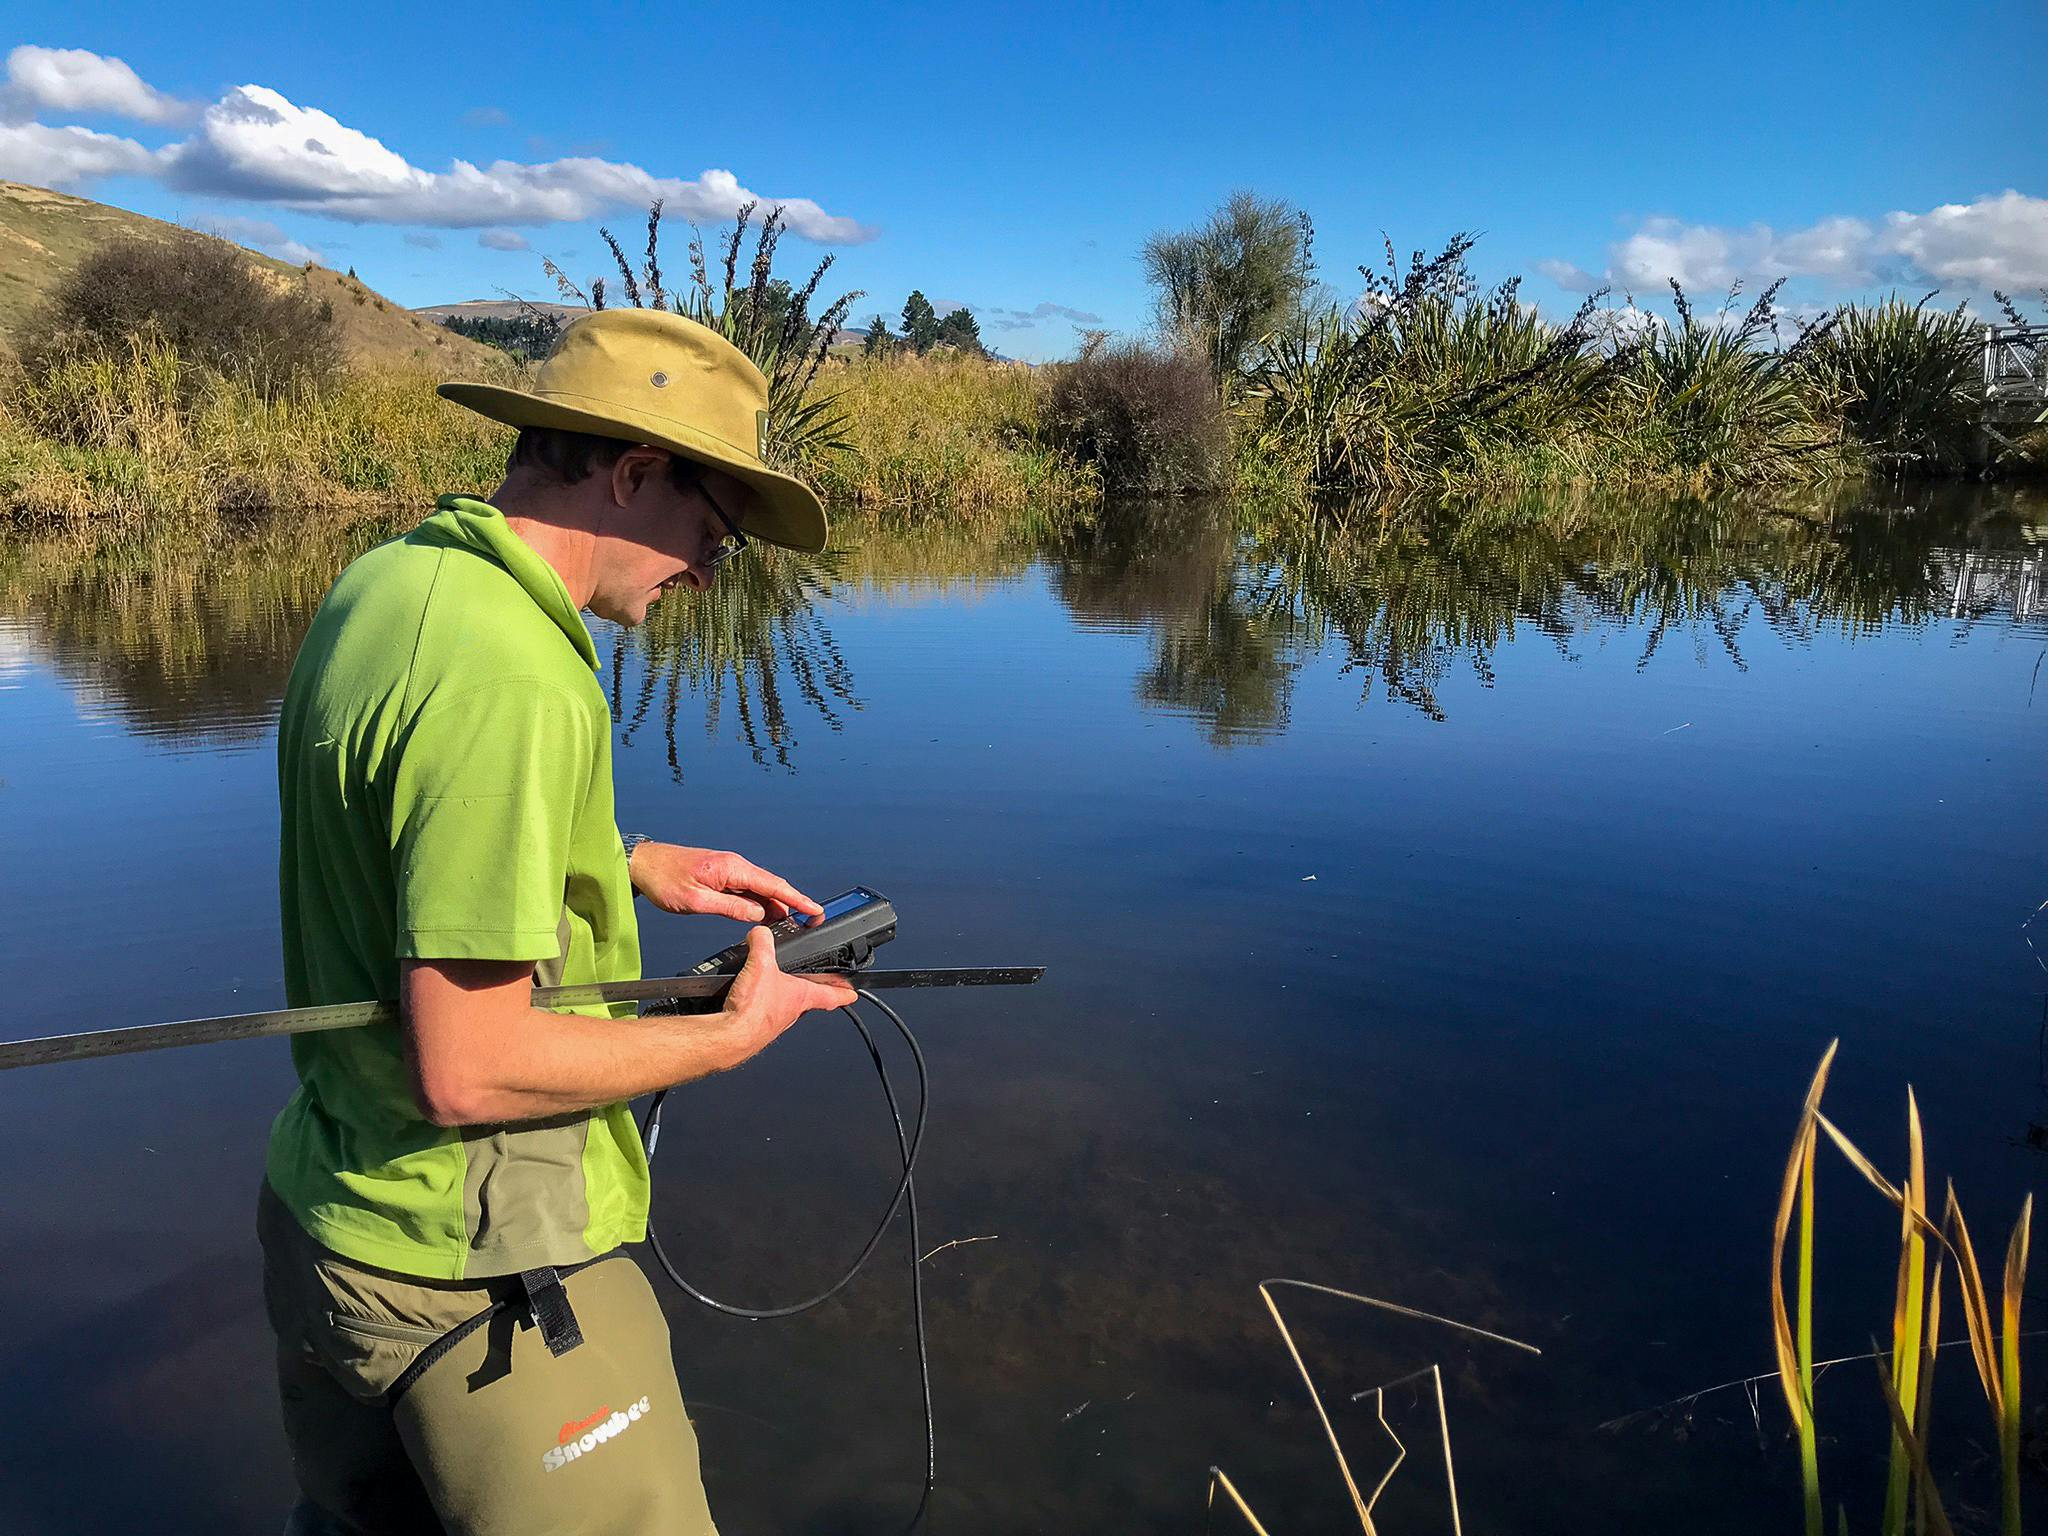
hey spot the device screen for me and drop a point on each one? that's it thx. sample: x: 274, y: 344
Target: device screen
x: 838, y: 906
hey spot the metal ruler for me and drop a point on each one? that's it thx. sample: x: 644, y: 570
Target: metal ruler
x: 86, y: 1045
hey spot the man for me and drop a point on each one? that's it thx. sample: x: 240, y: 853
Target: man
x: 460, y: 1346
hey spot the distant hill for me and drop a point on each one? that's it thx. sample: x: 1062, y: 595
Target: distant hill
x: 843, y: 341
x: 497, y: 309
x: 44, y: 235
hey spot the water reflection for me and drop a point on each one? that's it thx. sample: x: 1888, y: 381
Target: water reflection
x: 191, y: 648
x: 749, y: 644
x: 1176, y: 572
x: 1407, y: 601
x: 185, y: 648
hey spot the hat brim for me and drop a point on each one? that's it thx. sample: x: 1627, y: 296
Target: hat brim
x: 783, y: 510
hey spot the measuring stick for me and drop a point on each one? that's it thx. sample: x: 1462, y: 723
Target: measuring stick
x: 85, y: 1046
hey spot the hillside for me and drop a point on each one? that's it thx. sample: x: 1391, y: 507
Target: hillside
x: 44, y: 235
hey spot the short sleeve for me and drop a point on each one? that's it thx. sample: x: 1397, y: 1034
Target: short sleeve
x: 488, y: 791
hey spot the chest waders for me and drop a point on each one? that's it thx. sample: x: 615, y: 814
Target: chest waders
x: 522, y: 1405
x: 555, y: 1409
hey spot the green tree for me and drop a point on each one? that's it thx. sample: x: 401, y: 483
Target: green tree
x: 920, y: 323
x: 960, y: 329
x: 1231, y: 281
x: 878, y: 342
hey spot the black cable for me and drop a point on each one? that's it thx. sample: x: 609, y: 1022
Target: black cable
x: 905, y: 1193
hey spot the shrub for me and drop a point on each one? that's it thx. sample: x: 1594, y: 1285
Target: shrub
x: 1148, y: 418
x: 1224, y: 286
x: 205, y: 300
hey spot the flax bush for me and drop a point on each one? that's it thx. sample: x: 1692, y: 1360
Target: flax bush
x: 1906, y: 380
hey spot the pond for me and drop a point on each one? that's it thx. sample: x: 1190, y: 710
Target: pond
x: 1449, y: 908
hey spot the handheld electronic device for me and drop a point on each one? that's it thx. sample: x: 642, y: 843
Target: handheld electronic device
x: 844, y: 937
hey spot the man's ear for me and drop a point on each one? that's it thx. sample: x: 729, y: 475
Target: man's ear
x: 631, y: 470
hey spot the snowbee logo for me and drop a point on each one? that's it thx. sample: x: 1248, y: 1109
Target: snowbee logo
x: 582, y: 1436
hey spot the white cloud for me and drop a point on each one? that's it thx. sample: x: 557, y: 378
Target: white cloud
x: 65, y: 157
x: 1994, y: 242
x: 425, y: 242
x: 260, y: 235
x: 256, y: 145
x: 1568, y: 277
x: 487, y: 117
x: 502, y: 240
x: 73, y: 81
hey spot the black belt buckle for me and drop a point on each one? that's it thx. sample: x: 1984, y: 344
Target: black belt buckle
x: 548, y: 1303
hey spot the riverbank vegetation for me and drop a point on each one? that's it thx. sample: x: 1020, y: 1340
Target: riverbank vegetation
x: 173, y: 382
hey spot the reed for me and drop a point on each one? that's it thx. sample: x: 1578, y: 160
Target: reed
x: 1905, y: 1379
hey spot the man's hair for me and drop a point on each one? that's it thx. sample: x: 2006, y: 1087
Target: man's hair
x: 571, y: 457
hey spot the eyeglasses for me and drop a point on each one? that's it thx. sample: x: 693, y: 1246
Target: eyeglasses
x: 733, y: 542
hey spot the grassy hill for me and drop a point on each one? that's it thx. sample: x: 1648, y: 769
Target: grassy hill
x: 44, y: 235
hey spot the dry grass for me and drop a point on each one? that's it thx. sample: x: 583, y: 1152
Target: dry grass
x: 946, y: 431
x: 116, y: 442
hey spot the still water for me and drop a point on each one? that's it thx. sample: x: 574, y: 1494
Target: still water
x: 1449, y: 910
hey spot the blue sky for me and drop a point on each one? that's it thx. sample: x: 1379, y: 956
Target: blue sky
x: 1013, y: 159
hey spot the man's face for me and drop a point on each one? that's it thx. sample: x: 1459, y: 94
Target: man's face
x: 656, y: 537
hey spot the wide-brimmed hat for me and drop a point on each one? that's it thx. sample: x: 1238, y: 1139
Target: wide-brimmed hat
x: 658, y: 379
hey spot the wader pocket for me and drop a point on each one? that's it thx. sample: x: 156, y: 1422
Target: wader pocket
x: 380, y: 1332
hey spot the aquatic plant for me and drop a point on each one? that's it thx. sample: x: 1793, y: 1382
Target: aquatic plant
x: 1905, y: 1379
x: 1363, y: 1504
x: 1425, y: 381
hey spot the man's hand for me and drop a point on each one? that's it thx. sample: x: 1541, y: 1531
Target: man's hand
x: 765, y: 1000
x: 715, y: 884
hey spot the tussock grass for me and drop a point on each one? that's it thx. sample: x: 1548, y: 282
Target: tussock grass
x: 120, y: 439
x: 946, y: 431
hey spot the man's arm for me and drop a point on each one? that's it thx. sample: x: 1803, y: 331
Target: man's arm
x: 481, y: 1054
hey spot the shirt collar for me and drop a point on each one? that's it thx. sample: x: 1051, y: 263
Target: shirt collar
x: 479, y: 526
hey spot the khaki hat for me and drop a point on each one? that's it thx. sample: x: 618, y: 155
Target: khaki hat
x: 658, y: 379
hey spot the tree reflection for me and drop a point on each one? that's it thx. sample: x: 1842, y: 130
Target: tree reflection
x: 1176, y: 571
x: 188, y: 646
x: 192, y: 645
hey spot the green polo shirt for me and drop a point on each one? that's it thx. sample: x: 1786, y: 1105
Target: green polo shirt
x: 445, y: 783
